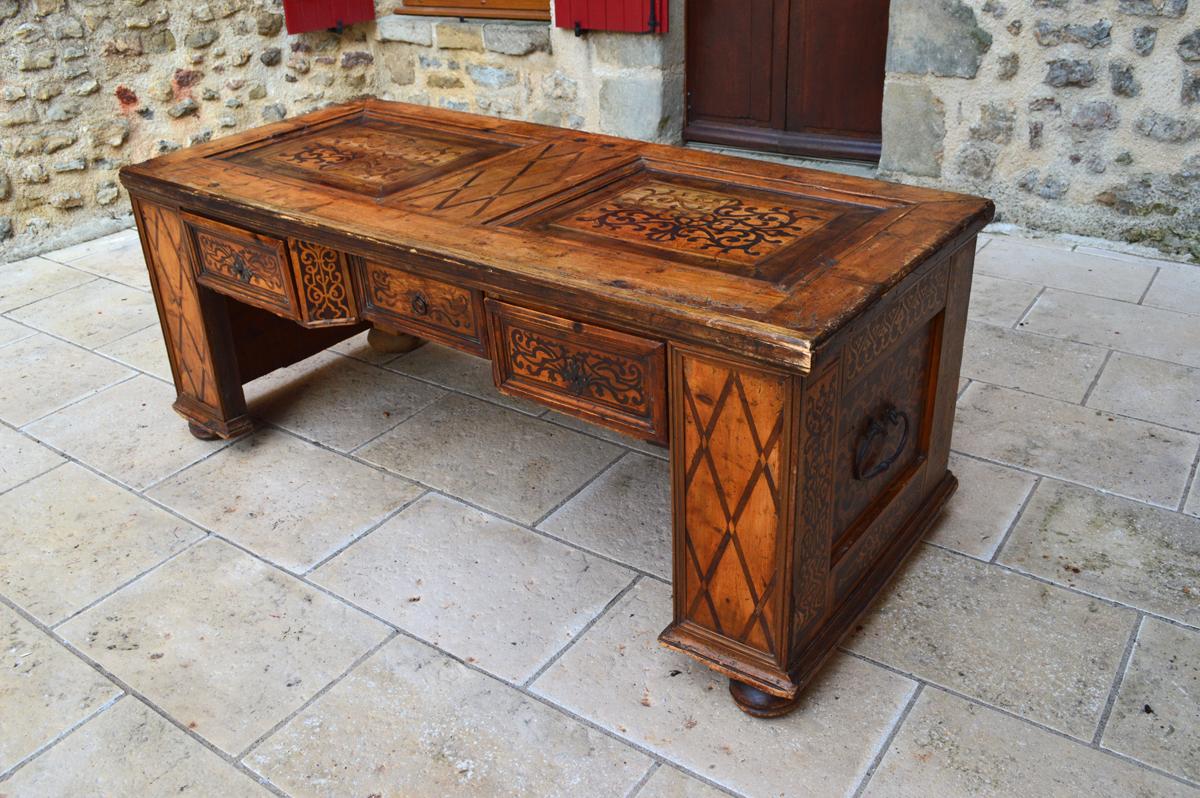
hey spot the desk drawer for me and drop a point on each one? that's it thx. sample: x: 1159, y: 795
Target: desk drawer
x: 423, y: 306
x: 608, y: 377
x: 247, y: 266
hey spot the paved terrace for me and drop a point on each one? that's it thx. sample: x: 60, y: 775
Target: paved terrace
x: 362, y: 600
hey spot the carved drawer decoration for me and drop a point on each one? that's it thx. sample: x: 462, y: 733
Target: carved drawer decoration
x: 608, y: 377
x: 323, y: 280
x: 424, y: 306
x: 249, y: 267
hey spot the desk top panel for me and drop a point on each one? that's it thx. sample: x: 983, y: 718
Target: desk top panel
x: 762, y: 250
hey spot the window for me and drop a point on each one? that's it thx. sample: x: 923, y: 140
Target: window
x: 501, y: 9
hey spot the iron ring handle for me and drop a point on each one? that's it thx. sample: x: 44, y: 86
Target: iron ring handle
x: 420, y: 304
x: 877, y: 430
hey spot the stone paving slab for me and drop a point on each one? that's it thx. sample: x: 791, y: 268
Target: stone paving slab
x: 625, y: 514
x: 453, y: 446
x: 26, y: 281
x: 1056, y: 267
x: 1110, y: 547
x: 285, y: 499
x: 1133, y: 458
x: 987, y: 501
x: 1032, y: 363
x: 995, y: 300
x: 128, y: 431
x: 411, y: 721
x: 337, y: 401
x: 143, y: 350
x: 432, y: 570
x: 951, y: 747
x: 40, y: 374
x: 1152, y: 390
x: 226, y: 644
x: 130, y: 750
x: 621, y: 678
x: 1177, y: 287
x: 22, y: 458
x: 70, y: 537
x: 1122, y: 326
x: 45, y: 690
x: 1039, y: 651
x: 91, y: 315
x: 1156, y: 718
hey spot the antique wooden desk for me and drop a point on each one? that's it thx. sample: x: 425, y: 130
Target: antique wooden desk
x: 794, y: 336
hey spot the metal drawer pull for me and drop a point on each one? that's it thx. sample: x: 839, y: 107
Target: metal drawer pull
x: 420, y: 305
x: 894, y: 417
x: 240, y: 269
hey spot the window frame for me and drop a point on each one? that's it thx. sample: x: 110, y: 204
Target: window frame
x: 538, y: 10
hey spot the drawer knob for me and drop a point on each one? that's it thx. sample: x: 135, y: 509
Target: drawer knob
x: 241, y: 270
x: 420, y: 305
x: 876, y: 429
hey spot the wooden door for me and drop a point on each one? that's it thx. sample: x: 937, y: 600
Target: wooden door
x: 803, y: 77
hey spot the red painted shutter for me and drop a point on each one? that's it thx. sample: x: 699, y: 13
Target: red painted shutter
x: 306, y: 15
x: 630, y: 16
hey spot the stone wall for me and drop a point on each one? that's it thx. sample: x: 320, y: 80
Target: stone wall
x: 1080, y: 116
x: 623, y: 84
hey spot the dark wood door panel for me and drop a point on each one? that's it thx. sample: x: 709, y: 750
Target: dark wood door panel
x: 737, y: 52
x: 836, y: 67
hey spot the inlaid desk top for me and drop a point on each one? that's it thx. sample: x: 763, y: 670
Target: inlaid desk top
x: 739, y: 254
x: 794, y: 336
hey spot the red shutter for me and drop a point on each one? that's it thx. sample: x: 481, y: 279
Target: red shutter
x: 306, y: 15
x: 631, y: 16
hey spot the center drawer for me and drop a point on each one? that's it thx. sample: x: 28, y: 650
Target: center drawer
x: 444, y: 312
x: 604, y: 376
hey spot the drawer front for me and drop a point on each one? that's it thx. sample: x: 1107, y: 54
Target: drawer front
x: 323, y: 280
x: 608, y: 377
x: 247, y: 266
x: 423, y: 306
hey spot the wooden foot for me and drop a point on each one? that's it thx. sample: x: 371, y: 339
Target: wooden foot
x: 392, y: 344
x: 755, y: 702
x: 201, y: 433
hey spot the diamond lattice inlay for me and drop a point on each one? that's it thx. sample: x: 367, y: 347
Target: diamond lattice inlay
x: 733, y: 440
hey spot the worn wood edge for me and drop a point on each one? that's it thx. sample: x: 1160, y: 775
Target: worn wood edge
x: 199, y: 416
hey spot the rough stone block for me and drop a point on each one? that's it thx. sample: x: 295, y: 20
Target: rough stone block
x: 627, y: 50
x: 914, y: 130
x: 1161, y: 127
x: 1062, y: 72
x: 491, y: 77
x: 1095, y: 115
x: 395, y: 28
x: 632, y: 107
x: 1189, y: 46
x: 1144, y: 39
x: 516, y: 39
x: 939, y: 37
x: 1120, y: 74
x: 1153, y: 8
x: 459, y: 36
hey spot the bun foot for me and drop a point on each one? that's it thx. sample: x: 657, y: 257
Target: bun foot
x: 201, y: 433
x: 392, y: 344
x: 760, y: 704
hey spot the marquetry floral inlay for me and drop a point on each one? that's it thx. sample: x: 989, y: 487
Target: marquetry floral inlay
x: 608, y: 378
x: 699, y: 221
